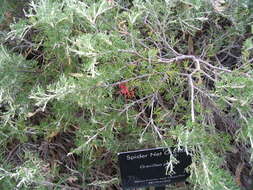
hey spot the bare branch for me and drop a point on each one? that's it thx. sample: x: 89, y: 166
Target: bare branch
x: 192, y: 97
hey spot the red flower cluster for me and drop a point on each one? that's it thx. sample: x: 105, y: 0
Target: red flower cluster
x: 124, y: 90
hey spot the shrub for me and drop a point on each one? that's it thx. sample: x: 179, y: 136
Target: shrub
x: 128, y: 75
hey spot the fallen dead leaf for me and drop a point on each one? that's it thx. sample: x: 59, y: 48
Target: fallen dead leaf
x: 72, y: 179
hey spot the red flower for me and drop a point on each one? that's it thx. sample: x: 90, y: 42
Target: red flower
x: 124, y: 90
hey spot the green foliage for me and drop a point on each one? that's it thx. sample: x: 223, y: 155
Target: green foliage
x: 29, y: 173
x: 170, y: 57
x: 16, y: 82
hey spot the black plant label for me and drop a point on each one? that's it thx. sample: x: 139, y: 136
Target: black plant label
x: 153, y: 167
